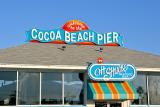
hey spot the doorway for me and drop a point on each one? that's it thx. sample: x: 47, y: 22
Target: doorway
x: 108, y: 104
x: 115, y: 105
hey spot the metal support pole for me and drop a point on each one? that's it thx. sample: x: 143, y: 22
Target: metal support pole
x: 62, y: 88
x: 40, y: 90
x: 17, y: 90
x: 85, y: 88
x: 147, y: 91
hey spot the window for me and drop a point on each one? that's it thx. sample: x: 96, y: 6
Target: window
x: 62, y: 88
x: 28, y: 88
x: 51, y: 88
x: 141, y: 86
x: 8, y: 88
x: 154, y: 89
x: 73, y: 88
x: 35, y: 88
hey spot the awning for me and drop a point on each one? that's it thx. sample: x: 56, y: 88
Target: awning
x: 111, y: 90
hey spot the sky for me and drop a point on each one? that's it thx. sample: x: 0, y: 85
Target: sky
x: 138, y: 21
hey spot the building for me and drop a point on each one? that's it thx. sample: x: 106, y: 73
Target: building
x: 44, y: 74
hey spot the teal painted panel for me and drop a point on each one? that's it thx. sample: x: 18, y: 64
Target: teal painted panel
x: 139, y: 106
x: 82, y: 106
x: 48, y: 106
x: 154, y: 106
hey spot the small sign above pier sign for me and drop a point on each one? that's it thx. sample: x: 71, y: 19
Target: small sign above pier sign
x: 111, y: 72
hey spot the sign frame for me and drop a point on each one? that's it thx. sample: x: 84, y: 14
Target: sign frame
x: 111, y: 79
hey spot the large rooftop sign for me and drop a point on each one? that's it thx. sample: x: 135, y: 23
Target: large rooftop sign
x: 74, y: 32
x: 111, y: 72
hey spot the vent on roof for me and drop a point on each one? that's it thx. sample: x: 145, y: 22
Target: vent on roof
x: 62, y: 48
x: 100, y: 49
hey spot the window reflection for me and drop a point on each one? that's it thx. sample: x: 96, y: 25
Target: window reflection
x: 51, y: 88
x: 140, y: 84
x: 154, y: 89
x: 8, y: 88
x: 29, y: 88
x: 73, y: 88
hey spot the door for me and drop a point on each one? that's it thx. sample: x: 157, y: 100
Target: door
x: 115, y: 105
x: 107, y: 104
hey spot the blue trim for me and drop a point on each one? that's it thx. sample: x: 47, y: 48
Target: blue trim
x: 56, y: 106
x: 139, y: 106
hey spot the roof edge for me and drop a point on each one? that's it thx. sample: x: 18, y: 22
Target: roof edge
x: 71, y: 67
x: 43, y: 66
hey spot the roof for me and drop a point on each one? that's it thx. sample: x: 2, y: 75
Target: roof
x: 74, y: 55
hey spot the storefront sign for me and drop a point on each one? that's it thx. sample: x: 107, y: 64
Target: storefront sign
x: 74, y: 32
x: 113, y: 72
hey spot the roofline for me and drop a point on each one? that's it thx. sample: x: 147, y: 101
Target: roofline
x: 71, y: 67
x: 43, y: 66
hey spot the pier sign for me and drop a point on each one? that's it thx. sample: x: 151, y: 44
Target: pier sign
x: 74, y: 32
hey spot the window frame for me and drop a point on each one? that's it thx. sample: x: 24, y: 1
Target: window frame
x: 82, y: 86
x: 63, y: 73
x: 40, y: 91
x: 147, y: 88
x: 41, y: 73
x: 10, y: 70
x: 152, y: 74
x: 17, y: 99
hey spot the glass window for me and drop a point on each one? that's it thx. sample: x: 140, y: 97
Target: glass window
x: 51, y: 88
x: 73, y: 88
x: 141, y: 86
x: 8, y: 88
x: 154, y: 89
x: 29, y: 88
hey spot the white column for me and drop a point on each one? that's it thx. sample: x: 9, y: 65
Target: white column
x: 63, y: 88
x: 125, y: 103
x: 85, y: 87
x: 147, y: 91
x: 108, y: 105
x: 40, y: 90
x: 17, y: 90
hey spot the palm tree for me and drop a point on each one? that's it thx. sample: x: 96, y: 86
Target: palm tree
x: 141, y: 94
